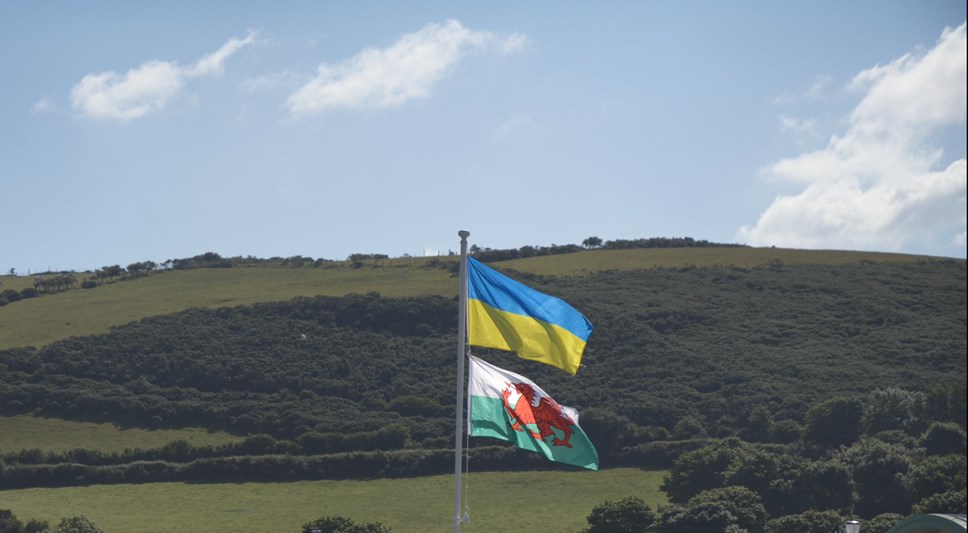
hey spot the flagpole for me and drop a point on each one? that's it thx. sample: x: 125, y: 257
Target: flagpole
x: 461, y: 355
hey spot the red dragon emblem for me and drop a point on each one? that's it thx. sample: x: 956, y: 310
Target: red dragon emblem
x: 541, y: 411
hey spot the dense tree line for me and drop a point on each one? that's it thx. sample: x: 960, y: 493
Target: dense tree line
x: 270, y: 467
x: 489, y: 255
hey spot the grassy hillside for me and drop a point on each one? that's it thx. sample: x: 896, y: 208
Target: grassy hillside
x: 498, y: 501
x: 647, y: 258
x: 699, y: 344
x: 40, y: 321
x: 56, y: 435
x: 690, y: 345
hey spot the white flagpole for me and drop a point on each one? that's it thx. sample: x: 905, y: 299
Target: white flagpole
x: 461, y: 356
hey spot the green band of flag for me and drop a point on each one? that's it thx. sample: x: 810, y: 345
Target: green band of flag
x: 508, y: 406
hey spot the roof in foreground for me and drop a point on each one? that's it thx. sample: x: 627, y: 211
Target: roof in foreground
x: 931, y: 523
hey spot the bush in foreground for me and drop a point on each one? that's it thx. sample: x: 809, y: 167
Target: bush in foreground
x: 339, y: 524
x: 629, y: 515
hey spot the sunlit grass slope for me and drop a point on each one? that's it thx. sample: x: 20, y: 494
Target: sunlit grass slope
x: 498, y: 502
x: 55, y: 435
x: 646, y: 258
x: 40, y: 321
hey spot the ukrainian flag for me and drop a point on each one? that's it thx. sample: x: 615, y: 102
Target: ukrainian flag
x: 508, y: 315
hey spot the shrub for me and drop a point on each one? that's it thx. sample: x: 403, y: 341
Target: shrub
x: 9, y: 522
x: 952, y: 501
x: 745, y: 505
x: 785, y: 431
x: 805, y: 522
x: 29, y: 292
x: 629, y: 515
x: 834, y: 422
x: 76, y: 524
x: 11, y: 295
x: 339, y: 524
x: 942, y: 438
x: 706, y: 516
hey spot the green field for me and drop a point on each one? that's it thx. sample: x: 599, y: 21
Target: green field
x: 55, y: 435
x: 498, y: 502
x: 645, y: 258
x: 40, y: 321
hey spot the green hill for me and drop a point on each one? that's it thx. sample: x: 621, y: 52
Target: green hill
x: 80, y: 312
x: 346, y: 370
x: 703, y: 343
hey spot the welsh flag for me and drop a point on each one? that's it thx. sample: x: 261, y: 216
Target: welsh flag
x: 508, y: 406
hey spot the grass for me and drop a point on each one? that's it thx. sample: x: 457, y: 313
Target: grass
x: 40, y: 321
x: 498, y: 502
x: 646, y: 258
x: 55, y: 435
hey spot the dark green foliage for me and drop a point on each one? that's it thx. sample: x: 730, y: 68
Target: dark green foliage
x: 743, y: 504
x: 206, y: 260
x: 894, y: 408
x: 946, y: 401
x: 36, y: 526
x: 881, y: 523
x: 10, y: 295
x: 785, y: 431
x: 705, y: 516
x: 758, y: 425
x: 935, y: 474
x: 418, y: 405
x: 820, y: 485
x: 701, y: 470
x: 806, y: 522
x: 488, y: 255
x: 943, y: 438
x: 76, y: 524
x: 628, y: 515
x: 729, y: 463
x: 834, y: 422
x: 55, y: 283
x: 9, y: 522
x: 29, y: 292
x: 609, y: 431
x: 952, y: 501
x: 878, y: 469
x: 339, y: 524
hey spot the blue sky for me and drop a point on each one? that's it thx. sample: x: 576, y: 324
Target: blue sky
x: 134, y: 131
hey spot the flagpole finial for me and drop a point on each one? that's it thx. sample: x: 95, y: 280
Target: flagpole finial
x: 463, y: 234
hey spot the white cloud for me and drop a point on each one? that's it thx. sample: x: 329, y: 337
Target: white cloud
x: 816, y: 91
x: 146, y: 88
x: 271, y: 81
x: 213, y: 63
x: 882, y: 185
x: 819, y: 87
x: 788, y: 123
x: 510, y: 125
x: 406, y: 70
x: 44, y: 105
